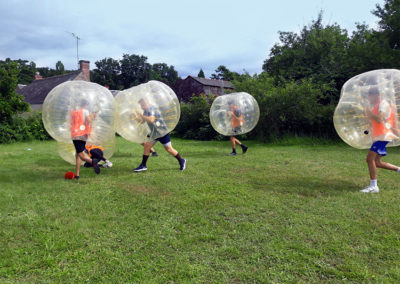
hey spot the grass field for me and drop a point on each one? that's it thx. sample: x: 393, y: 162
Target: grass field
x: 280, y: 213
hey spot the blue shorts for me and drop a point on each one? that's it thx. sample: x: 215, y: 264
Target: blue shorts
x: 165, y: 140
x: 379, y: 147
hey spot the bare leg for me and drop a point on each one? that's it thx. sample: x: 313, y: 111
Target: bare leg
x: 171, y: 150
x: 234, y: 141
x: 147, y: 148
x: 82, y: 156
x: 371, y: 161
x: 383, y: 165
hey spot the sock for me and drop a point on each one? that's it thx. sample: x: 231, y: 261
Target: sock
x: 373, y: 182
x: 178, y: 157
x: 398, y: 169
x: 144, y: 160
x: 233, y: 150
x: 243, y: 146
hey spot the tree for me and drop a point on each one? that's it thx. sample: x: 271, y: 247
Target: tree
x: 223, y: 73
x: 164, y: 73
x: 26, y: 69
x: 389, y: 22
x: 370, y: 50
x: 107, y: 73
x: 201, y: 74
x: 134, y: 70
x: 60, y: 67
x: 317, y: 52
x: 10, y: 102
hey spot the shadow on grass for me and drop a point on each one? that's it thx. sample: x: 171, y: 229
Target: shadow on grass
x: 309, y: 186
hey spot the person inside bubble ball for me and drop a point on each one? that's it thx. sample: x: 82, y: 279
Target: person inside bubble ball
x: 237, y: 121
x: 384, y: 129
x: 154, y: 120
x: 96, y: 152
x: 81, y: 121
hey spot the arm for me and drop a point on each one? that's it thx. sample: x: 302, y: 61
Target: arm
x: 91, y: 117
x: 377, y: 117
x: 149, y: 119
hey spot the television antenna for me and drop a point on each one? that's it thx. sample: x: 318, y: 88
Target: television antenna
x: 77, y: 46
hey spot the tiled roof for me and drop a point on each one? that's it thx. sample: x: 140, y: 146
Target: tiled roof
x: 214, y: 83
x: 36, y: 92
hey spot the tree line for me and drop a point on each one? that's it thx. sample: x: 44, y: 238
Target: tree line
x: 304, y: 72
x: 297, y: 90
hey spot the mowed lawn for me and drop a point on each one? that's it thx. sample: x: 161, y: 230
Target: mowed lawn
x: 280, y: 213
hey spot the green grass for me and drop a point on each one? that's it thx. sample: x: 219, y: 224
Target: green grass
x: 277, y: 214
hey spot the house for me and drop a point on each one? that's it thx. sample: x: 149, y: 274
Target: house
x: 36, y: 92
x: 194, y: 86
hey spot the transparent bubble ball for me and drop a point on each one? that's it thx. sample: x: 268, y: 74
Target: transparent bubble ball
x: 234, y: 114
x: 161, y: 102
x: 377, y: 91
x: 68, y: 96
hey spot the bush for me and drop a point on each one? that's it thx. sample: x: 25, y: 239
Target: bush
x: 195, y: 120
x: 22, y: 129
x: 293, y: 108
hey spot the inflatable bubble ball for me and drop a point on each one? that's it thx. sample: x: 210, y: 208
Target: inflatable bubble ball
x: 368, y: 109
x: 234, y: 114
x: 74, y: 97
x: 67, y: 150
x: 153, y: 99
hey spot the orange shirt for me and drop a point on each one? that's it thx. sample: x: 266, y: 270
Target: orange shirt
x: 79, y: 126
x: 383, y: 130
x: 91, y: 147
x: 237, y: 120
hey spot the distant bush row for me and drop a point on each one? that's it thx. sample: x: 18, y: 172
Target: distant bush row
x: 21, y: 129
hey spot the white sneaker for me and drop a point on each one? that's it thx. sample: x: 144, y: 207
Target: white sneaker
x: 108, y: 164
x: 370, y: 189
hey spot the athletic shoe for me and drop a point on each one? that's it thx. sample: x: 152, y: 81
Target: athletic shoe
x: 370, y: 189
x: 141, y: 168
x: 182, y: 164
x: 76, y: 177
x: 154, y: 154
x: 108, y: 164
x: 232, y: 154
x: 96, y: 167
x: 244, y: 149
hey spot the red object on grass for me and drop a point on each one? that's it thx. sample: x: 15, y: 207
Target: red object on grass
x: 69, y: 175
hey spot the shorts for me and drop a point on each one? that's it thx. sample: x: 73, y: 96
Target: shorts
x: 79, y: 145
x: 379, y: 147
x: 165, y: 140
x: 97, y: 154
x: 236, y: 130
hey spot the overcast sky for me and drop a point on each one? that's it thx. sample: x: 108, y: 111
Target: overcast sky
x: 186, y: 34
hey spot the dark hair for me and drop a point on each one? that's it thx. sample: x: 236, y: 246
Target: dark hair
x: 84, y: 103
x: 373, y: 91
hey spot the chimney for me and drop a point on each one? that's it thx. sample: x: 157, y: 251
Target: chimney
x: 38, y: 76
x: 84, y: 66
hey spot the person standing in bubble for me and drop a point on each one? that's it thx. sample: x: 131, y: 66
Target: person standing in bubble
x: 384, y: 129
x: 237, y: 121
x: 81, y: 121
x: 154, y: 120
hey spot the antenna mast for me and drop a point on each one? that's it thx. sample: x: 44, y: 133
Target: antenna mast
x: 77, y: 47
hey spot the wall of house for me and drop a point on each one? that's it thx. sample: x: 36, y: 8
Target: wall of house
x: 187, y: 88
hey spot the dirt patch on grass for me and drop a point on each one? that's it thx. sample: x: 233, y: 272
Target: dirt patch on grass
x: 136, y: 188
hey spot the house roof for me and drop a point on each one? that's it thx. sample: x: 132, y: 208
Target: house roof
x: 36, y: 92
x: 213, y: 83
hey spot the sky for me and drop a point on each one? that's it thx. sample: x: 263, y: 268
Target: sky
x: 190, y: 35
